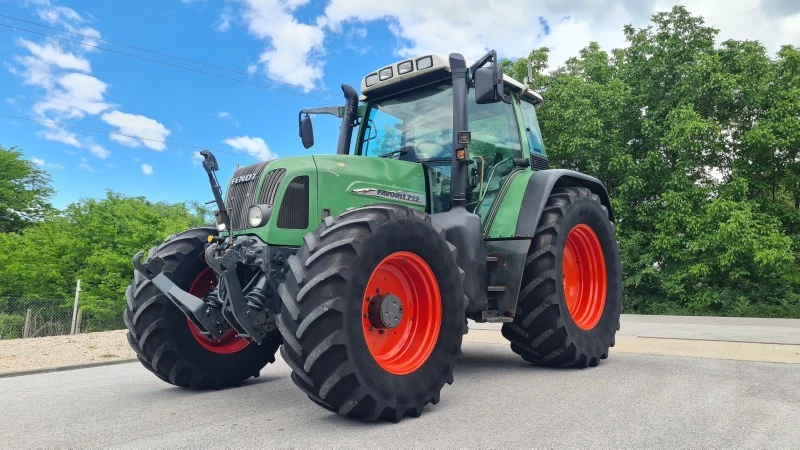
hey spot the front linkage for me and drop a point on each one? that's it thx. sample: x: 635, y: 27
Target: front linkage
x: 250, y: 309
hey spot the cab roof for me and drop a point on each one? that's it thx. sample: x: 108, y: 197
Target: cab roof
x: 423, y: 69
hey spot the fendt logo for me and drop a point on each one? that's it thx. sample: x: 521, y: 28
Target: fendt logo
x: 243, y: 179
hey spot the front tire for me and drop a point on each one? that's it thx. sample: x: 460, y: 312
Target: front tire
x: 571, y: 297
x: 164, y: 340
x: 341, y: 354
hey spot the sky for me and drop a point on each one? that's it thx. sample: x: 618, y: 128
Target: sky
x: 163, y: 77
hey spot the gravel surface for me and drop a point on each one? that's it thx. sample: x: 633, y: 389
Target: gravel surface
x: 55, y: 351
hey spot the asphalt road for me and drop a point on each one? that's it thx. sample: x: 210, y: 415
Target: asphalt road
x: 497, y: 400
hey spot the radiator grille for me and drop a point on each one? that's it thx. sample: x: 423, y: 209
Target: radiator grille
x: 539, y: 162
x: 270, y: 187
x: 294, y: 206
x: 241, y: 195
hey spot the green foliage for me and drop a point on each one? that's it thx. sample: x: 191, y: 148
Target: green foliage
x: 698, y: 145
x: 11, y: 326
x: 24, y: 190
x: 92, y: 240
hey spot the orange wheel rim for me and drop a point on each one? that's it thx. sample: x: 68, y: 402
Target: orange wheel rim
x: 401, y: 313
x: 230, y: 342
x: 583, y: 269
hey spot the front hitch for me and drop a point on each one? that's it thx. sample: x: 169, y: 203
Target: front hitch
x: 248, y: 313
x: 207, y: 319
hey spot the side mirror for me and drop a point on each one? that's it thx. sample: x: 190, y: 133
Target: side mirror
x: 307, y: 132
x: 488, y: 84
x: 209, y: 161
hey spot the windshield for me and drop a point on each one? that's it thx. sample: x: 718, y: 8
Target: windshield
x: 417, y: 126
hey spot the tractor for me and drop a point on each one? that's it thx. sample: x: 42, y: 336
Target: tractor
x: 363, y: 267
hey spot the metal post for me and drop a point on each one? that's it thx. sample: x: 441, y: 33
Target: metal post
x: 460, y: 158
x: 26, y: 331
x: 78, y: 322
x: 75, y: 307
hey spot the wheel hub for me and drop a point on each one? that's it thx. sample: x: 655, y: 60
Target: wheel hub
x: 385, y: 311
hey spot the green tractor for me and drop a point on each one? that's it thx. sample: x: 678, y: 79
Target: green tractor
x: 363, y: 267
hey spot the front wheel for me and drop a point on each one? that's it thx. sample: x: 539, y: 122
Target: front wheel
x: 571, y: 296
x: 170, y: 346
x: 373, y: 313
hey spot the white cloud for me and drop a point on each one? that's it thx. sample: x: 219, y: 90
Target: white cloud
x: 99, y: 151
x: 43, y: 163
x: 75, y: 95
x: 293, y: 49
x: 140, y: 130
x: 57, y: 14
x: 51, y: 53
x: 147, y: 169
x: 223, y: 24
x: 513, y: 27
x: 228, y: 116
x: 254, y: 146
x: 60, y: 135
x: 85, y: 165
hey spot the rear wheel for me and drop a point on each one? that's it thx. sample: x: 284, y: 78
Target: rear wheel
x: 168, y: 344
x: 570, y: 302
x: 373, y: 313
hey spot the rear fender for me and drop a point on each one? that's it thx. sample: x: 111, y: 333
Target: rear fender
x: 527, y: 199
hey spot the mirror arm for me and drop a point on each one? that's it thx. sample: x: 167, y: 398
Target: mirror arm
x: 491, y: 56
x: 332, y: 110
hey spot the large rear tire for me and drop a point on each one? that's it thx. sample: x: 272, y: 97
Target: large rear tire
x: 379, y: 262
x: 571, y: 297
x: 171, y: 347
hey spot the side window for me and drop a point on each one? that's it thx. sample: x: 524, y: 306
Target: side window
x: 494, y: 130
x: 532, y: 127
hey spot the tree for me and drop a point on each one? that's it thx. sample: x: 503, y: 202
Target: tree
x: 92, y: 240
x: 698, y: 145
x: 24, y: 191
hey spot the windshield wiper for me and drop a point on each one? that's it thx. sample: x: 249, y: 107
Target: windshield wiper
x: 399, y: 151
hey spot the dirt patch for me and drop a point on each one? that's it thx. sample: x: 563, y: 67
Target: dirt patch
x: 55, y: 351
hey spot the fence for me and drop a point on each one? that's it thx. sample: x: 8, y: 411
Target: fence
x: 22, y: 317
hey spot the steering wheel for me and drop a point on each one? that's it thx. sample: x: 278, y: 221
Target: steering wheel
x: 429, y: 149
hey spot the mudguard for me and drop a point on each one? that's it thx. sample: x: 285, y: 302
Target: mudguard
x: 527, y: 195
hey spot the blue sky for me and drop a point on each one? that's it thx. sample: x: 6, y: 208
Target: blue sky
x: 307, y: 48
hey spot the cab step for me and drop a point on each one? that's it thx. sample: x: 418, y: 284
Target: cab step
x: 491, y: 316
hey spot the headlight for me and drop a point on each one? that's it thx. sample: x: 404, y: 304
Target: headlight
x: 258, y: 215
x: 220, y: 223
x: 371, y: 79
x: 385, y: 74
x: 425, y: 63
